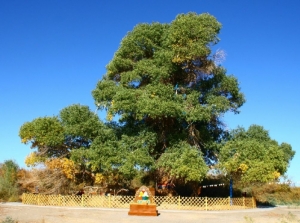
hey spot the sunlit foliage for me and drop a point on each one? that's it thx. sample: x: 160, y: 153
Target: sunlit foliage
x: 252, y: 156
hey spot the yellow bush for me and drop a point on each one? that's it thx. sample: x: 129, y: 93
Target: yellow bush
x: 65, y: 165
x: 33, y: 159
x: 99, y: 178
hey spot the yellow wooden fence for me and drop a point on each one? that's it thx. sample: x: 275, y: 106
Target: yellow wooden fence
x: 162, y: 202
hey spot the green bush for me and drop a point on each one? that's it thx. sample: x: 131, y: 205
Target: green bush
x: 8, y: 181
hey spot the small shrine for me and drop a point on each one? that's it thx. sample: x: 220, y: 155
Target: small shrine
x: 143, y: 203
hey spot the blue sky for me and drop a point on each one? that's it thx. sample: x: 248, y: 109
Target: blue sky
x: 52, y: 53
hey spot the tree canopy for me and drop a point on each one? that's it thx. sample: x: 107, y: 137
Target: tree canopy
x: 166, y: 88
x: 252, y: 156
x: 74, y: 128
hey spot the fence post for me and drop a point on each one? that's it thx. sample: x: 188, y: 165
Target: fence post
x: 82, y: 200
x: 59, y: 200
x: 109, y: 201
x: 206, y: 203
x: 229, y: 202
x: 253, y: 202
x: 244, y: 205
x: 179, y: 205
x: 38, y: 199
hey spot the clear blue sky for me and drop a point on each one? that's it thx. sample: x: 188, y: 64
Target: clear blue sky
x: 52, y: 53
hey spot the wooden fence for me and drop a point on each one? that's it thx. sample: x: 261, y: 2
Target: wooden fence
x: 162, y: 202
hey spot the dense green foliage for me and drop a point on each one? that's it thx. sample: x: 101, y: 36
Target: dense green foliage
x: 169, y: 94
x: 252, y: 156
x: 8, y: 180
x: 66, y: 136
x: 74, y: 128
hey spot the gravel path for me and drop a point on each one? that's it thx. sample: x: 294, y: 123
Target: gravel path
x: 41, y: 214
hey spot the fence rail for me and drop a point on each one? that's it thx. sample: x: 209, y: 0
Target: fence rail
x: 162, y: 203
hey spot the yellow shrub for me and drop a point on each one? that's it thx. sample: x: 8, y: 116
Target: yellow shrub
x: 99, y: 178
x: 65, y: 165
x: 33, y: 159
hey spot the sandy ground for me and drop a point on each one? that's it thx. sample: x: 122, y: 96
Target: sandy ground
x: 40, y: 214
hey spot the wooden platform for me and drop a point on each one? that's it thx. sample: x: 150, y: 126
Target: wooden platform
x: 143, y: 209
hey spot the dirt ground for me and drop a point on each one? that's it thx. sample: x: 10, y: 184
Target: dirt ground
x: 40, y: 214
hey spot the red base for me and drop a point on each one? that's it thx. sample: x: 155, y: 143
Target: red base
x: 143, y: 210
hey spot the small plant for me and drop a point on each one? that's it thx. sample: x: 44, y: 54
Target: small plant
x: 289, y: 218
x: 9, y: 220
x: 248, y: 219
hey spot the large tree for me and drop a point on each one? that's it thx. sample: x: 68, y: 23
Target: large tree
x: 168, y: 92
x: 164, y: 92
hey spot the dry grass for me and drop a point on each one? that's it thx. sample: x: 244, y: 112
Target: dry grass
x: 286, y: 218
x: 277, y: 194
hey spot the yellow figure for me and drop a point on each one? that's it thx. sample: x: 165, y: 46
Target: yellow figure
x: 141, y: 194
